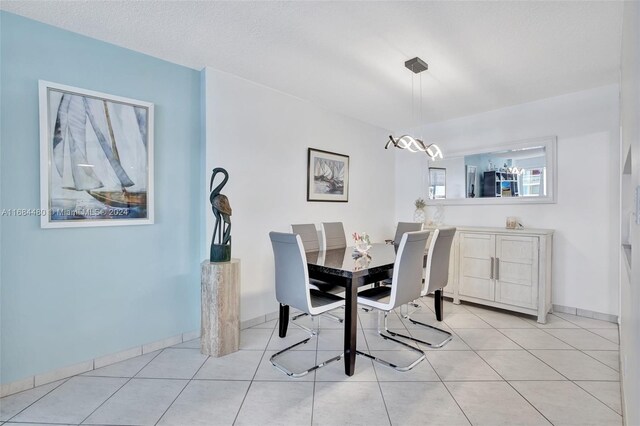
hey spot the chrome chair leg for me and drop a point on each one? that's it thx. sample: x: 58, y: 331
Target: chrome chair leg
x: 290, y: 373
x: 333, y: 317
x: 313, y: 331
x: 408, y: 314
x: 390, y: 364
x: 440, y: 344
x: 326, y: 314
x: 300, y: 315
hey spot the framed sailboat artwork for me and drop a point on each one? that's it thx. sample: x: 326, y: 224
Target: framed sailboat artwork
x: 327, y: 176
x: 96, y: 158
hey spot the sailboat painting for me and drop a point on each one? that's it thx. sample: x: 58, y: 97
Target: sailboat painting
x: 327, y: 176
x: 96, y: 158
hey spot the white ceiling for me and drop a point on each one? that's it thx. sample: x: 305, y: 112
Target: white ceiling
x: 349, y: 56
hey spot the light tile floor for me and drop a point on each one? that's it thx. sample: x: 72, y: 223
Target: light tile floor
x: 500, y: 368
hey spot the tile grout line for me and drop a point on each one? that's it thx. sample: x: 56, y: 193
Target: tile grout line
x: 235, y: 419
x: 116, y: 391
x: 445, y: 385
x: 567, y: 379
x: 506, y: 381
x: 583, y: 351
x: 182, y: 390
x: 529, y: 402
x: 617, y: 371
x: 584, y: 329
x: 449, y: 390
x: 534, y: 355
x: 607, y: 405
x: 456, y: 401
x: 54, y: 388
x: 590, y: 330
x: 474, y: 351
x: 500, y: 375
x: 375, y: 372
x: 315, y: 376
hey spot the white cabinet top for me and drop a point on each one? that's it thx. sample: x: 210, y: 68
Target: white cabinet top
x: 523, y: 231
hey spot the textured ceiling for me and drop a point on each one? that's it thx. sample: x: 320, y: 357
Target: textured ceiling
x: 348, y: 56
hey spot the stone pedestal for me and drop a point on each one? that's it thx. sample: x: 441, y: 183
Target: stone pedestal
x: 220, y: 299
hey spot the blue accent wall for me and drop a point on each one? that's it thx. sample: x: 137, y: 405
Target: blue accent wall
x: 69, y: 295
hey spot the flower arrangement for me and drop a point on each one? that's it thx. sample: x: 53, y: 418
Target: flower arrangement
x: 420, y: 204
x: 361, y: 238
x: 363, y: 243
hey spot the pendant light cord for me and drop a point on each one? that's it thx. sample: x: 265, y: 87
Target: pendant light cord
x: 421, y: 115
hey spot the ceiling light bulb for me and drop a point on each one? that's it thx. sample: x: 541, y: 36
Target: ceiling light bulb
x: 434, y: 151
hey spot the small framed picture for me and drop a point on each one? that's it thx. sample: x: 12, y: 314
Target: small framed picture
x: 327, y: 176
x: 96, y: 158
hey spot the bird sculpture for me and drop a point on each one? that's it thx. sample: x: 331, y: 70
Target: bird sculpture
x: 220, y: 248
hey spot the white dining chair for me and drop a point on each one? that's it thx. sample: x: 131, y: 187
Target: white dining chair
x: 402, y: 228
x: 309, y: 236
x: 436, y: 278
x: 293, y: 289
x: 405, y: 287
x: 333, y: 235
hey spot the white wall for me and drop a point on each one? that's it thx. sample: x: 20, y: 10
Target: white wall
x: 629, y: 286
x: 261, y: 137
x: 586, y: 218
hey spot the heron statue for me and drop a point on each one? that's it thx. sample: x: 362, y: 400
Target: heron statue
x: 220, y: 248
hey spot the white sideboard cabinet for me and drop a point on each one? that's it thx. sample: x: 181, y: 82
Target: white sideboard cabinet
x: 503, y: 268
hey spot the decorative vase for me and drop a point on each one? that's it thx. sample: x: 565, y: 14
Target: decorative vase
x: 362, y: 247
x: 419, y: 215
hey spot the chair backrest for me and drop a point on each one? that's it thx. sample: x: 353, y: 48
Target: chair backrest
x: 308, y: 235
x: 292, y: 277
x: 406, y: 227
x: 437, y: 269
x: 333, y: 235
x: 407, y: 269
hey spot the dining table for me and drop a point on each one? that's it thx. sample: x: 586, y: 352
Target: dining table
x: 349, y: 269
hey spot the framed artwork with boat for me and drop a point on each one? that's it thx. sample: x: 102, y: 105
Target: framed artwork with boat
x: 327, y: 176
x: 96, y: 158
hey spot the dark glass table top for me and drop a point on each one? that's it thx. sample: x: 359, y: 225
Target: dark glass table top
x: 344, y: 263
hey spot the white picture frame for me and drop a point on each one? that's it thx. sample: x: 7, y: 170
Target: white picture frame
x: 96, y: 158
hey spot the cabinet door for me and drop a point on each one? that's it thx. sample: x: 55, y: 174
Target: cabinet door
x: 516, y: 272
x: 476, y: 251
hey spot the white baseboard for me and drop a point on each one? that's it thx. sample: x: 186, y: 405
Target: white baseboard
x: 585, y: 313
x: 63, y: 373
x: 259, y: 320
x: 272, y: 316
x: 565, y: 309
x: 191, y: 335
x: 30, y: 382
x: 161, y: 344
x: 17, y: 386
x: 252, y: 322
x: 103, y: 361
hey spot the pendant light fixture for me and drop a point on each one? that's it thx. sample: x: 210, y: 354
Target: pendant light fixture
x: 408, y: 142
